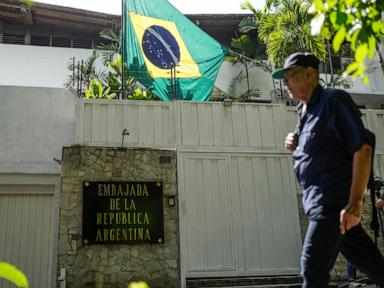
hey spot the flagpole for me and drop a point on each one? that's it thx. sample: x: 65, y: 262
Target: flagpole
x: 122, y: 37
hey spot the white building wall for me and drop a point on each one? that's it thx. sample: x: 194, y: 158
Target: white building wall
x: 375, y: 76
x: 35, y: 124
x: 261, y: 80
x: 257, y: 79
x: 381, y: 43
x: 36, y: 66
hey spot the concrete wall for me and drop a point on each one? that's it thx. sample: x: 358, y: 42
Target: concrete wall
x: 35, y: 124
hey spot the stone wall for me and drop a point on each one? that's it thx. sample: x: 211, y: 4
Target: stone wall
x: 107, y: 266
x: 339, y: 273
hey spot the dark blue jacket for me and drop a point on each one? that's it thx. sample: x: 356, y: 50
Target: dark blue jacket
x: 329, y: 133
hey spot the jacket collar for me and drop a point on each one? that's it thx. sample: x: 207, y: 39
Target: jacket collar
x: 315, y: 98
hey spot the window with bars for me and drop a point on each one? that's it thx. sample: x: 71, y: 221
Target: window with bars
x: 326, y: 67
x: 12, y: 33
x: 15, y: 33
x: 40, y: 40
x: 61, y: 42
x: 13, y: 38
x: 82, y: 43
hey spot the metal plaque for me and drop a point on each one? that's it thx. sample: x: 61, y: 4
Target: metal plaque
x: 123, y: 212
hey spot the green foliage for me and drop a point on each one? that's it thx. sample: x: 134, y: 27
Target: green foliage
x: 141, y: 94
x: 12, y: 274
x: 98, y: 91
x: 252, y: 49
x: 246, y: 5
x: 248, y: 23
x: 139, y: 284
x: 284, y: 27
x: 337, y: 80
x: 84, y: 73
x: 354, y: 21
x: 28, y: 3
x: 114, y: 77
x: 109, y: 80
x: 249, y: 53
x: 109, y: 49
x: 247, y: 96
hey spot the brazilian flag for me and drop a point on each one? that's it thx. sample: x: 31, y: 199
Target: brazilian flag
x: 164, y: 50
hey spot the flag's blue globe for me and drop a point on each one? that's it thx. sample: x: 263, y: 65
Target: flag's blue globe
x: 160, y: 47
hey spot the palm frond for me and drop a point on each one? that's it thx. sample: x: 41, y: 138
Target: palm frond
x: 247, y: 5
x: 109, y: 34
x: 285, y: 28
x: 248, y: 24
x: 232, y: 87
x: 266, y: 26
x: 109, y: 49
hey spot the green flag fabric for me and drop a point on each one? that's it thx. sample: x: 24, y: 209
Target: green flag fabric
x: 161, y: 42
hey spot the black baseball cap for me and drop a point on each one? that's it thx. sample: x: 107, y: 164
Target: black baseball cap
x: 298, y: 59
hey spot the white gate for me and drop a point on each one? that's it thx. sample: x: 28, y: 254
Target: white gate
x: 238, y: 214
x: 238, y: 206
x: 27, y: 219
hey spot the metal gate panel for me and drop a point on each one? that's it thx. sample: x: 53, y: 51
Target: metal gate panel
x: 377, y: 119
x: 101, y: 123
x: 239, y: 215
x: 210, y: 124
x: 267, y: 220
x: 375, y: 122
x: 207, y: 230
x: 26, y: 215
x: 378, y: 165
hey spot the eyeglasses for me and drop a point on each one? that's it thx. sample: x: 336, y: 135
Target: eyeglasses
x: 293, y: 71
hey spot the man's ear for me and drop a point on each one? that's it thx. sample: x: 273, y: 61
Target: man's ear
x: 310, y: 72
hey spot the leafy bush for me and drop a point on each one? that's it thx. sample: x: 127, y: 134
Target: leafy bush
x: 141, y: 94
x: 98, y: 91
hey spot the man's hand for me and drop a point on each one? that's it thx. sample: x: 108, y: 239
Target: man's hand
x: 291, y: 141
x: 350, y: 216
x: 379, y: 203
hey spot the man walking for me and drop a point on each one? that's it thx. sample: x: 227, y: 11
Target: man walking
x: 332, y: 163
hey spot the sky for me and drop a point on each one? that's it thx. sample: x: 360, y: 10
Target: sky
x: 185, y: 6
